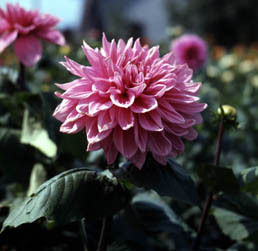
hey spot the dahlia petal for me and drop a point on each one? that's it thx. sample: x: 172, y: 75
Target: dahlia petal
x: 156, y: 90
x: 161, y: 159
x: 151, y: 121
x: 159, y: 144
x: 169, y: 58
x: 83, y: 83
x: 72, y: 127
x: 141, y: 137
x: 105, y: 44
x: 144, y: 104
x: 137, y: 90
x: 175, y: 129
x: 93, y: 135
x: 192, y: 87
x: 124, y: 142
x: 125, y: 118
x: 190, y: 109
x: 53, y: 36
x: 73, y: 67
x: 113, y: 51
x: 93, y: 55
x: 93, y: 146
x: 120, y: 46
x: 105, y: 121
x: 177, y: 143
x: 28, y: 49
x: 6, y: 39
x: 109, y: 149
x: 181, y: 98
x: 138, y: 159
x: 169, y: 113
x: 184, y: 73
x: 152, y: 54
x: 98, y: 105
x: 11, y: 12
x: 62, y: 111
x: 192, y: 134
x: 122, y: 100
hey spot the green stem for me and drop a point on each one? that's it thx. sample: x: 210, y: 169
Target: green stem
x: 105, y: 229
x: 83, y: 234
x: 21, y: 78
x: 208, y: 202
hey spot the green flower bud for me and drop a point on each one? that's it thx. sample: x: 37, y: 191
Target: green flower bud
x: 227, y: 113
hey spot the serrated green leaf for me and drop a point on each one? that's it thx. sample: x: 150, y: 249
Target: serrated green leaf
x: 170, y: 180
x: 70, y: 196
x: 35, y: 135
x: 218, y: 178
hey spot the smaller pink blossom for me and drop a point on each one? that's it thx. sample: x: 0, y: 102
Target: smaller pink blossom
x: 190, y: 50
x: 26, y: 29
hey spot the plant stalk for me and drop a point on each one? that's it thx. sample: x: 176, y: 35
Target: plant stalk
x: 105, y: 229
x: 21, y: 78
x: 208, y: 202
x: 83, y: 234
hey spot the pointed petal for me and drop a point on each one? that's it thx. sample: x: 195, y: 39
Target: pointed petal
x: 144, y: 103
x: 6, y: 39
x: 125, y: 118
x: 141, y: 137
x: 159, y: 144
x: 151, y: 121
x: 138, y: 159
x: 74, y: 68
x: 124, y: 142
x: 105, y: 121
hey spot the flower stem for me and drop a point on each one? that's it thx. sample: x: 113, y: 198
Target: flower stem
x: 208, y: 202
x: 83, y: 234
x: 106, y: 224
x: 21, y: 78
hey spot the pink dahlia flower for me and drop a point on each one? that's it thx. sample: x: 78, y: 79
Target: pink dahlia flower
x: 130, y: 101
x: 25, y: 29
x: 190, y: 50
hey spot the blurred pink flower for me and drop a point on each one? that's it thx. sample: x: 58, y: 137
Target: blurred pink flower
x: 190, y: 50
x: 25, y: 29
x: 130, y: 101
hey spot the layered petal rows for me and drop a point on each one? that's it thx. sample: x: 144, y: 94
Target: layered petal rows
x: 130, y: 100
x: 26, y: 29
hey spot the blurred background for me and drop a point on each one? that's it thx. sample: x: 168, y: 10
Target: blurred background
x: 223, y: 22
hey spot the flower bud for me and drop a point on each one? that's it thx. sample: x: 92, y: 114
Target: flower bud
x: 227, y: 113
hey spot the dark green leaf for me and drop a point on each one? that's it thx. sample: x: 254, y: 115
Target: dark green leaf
x: 237, y: 216
x: 237, y: 226
x: 170, y: 180
x: 70, y: 196
x: 151, y: 213
x: 249, y: 180
x: 218, y: 178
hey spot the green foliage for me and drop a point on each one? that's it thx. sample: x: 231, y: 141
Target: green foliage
x: 59, y: 199
x: 218, y: 178
x: 170, y: 180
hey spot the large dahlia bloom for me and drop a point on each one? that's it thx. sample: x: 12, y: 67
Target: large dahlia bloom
x: 130, y: 101
x: 25, y: 29
x: 190, y: 50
